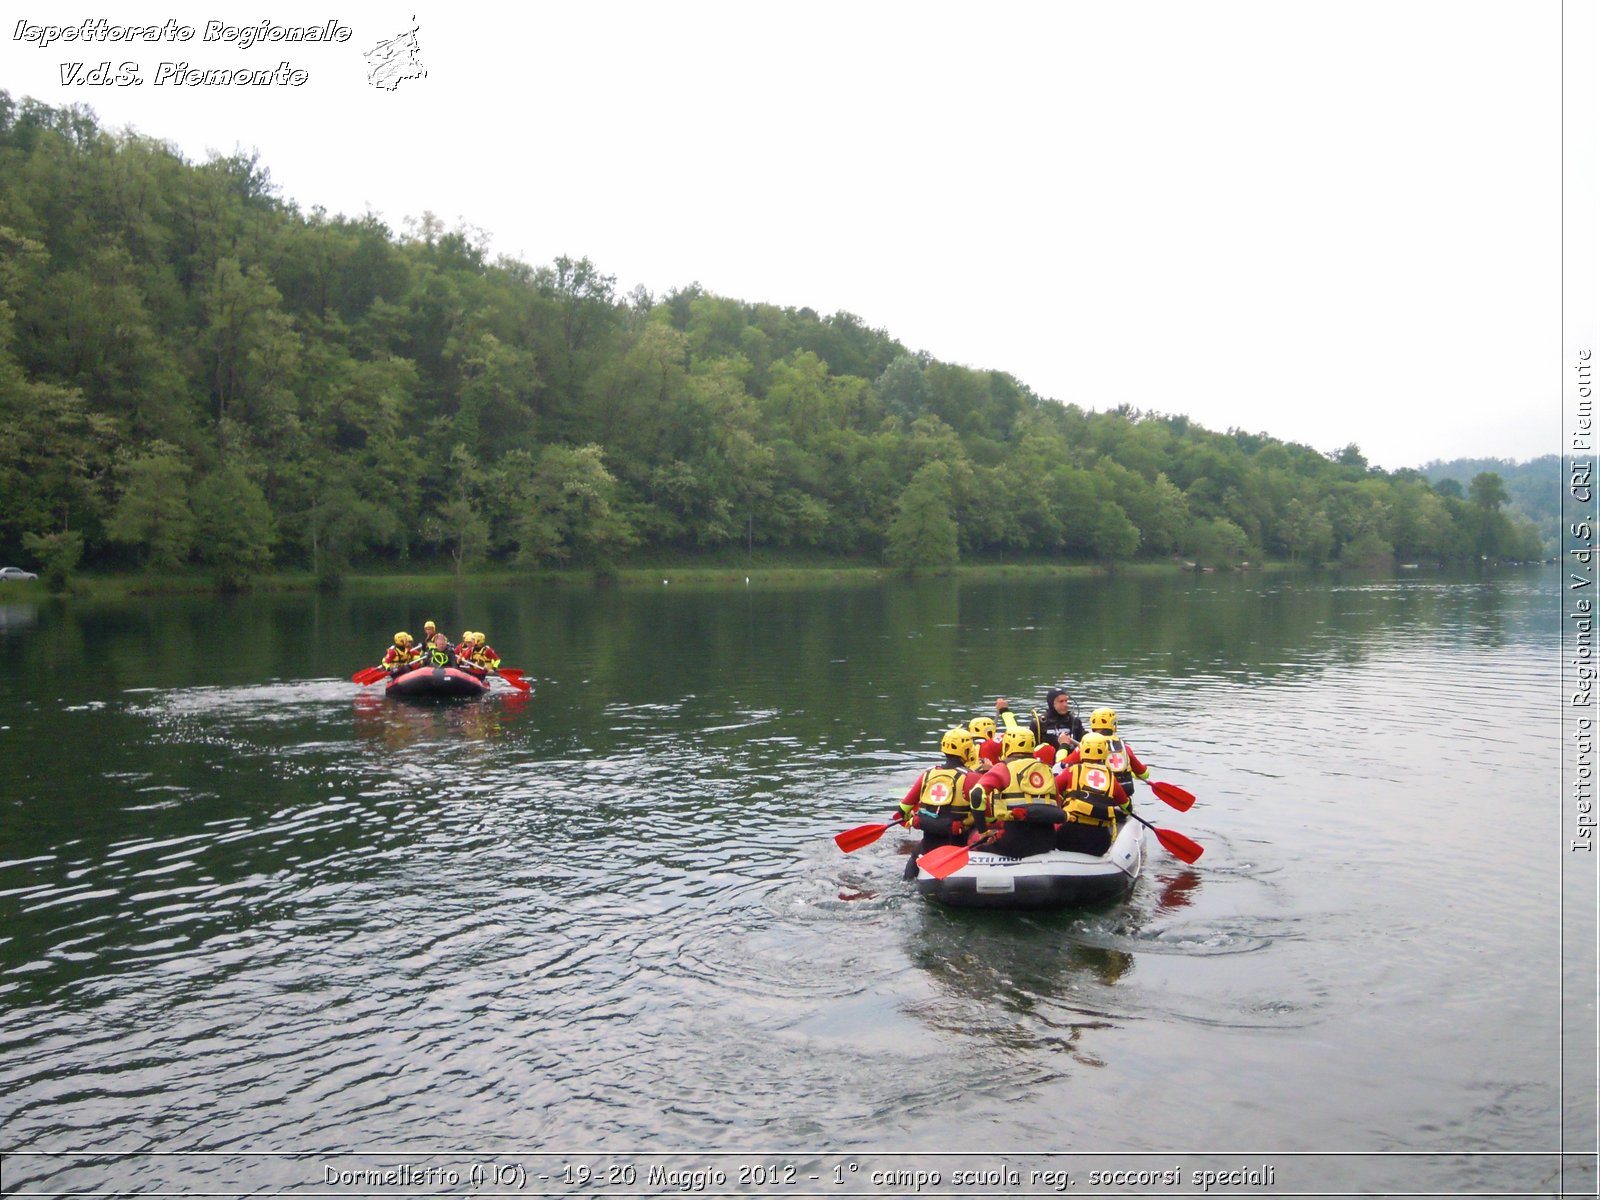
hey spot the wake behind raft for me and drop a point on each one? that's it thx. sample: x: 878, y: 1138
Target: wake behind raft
x: 436, y: 683
x: 1054, y: 879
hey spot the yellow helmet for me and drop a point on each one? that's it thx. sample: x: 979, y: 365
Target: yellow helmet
x: 1016, y: 740
x: 981, y: 727
x: 958, y: 743
x: 428, y: 625
x: 402, y: 638
x: 1095, y: 747
x: 1103, y: 720
x: 466, y: 636
x: 478, y: 638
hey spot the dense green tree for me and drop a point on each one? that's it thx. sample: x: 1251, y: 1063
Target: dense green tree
x: 460, y: 528
x: 153, y: 512
x: 1491, y: 531
x: 923, y: 533
x: 234, y: 526
x: 1156, y: 508
x: 902, y: 389
x: 456, y: 522
x: 55, y: 457
x: 1368, y: 548
x: 1306, y: 532
x: 571, y: 510
x: 1420, y: 524
x: 251, y: 346
x: 57, y: 554
x: 1216, y: 542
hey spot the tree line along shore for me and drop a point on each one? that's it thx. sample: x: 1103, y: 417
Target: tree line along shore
x: 198, y: 377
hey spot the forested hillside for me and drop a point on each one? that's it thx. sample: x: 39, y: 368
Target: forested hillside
x: 194, y: 371
x: 1534, y: 488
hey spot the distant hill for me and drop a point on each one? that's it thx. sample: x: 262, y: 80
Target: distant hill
x: 1535, y: 487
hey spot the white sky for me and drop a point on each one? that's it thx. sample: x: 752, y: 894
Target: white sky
x: 1328, y: 221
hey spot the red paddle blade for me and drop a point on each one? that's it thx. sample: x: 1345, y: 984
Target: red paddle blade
x: 861, y: 835
x: 946, y: 860
x: 1179, y: 846
x: 1174, y: 795
x: 515, y: 678
x: 368, y: 675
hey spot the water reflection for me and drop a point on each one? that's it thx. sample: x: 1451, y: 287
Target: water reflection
x: 14, y: 618
x: 1178, y: 889
x: 1024, y: 983
x: 396, y: 725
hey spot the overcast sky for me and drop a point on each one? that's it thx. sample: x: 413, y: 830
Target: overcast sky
x: 1329, y: 222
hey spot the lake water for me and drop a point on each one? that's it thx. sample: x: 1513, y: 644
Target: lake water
x: 261, y: 929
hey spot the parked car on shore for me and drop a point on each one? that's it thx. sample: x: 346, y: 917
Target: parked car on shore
x: 7, y: 574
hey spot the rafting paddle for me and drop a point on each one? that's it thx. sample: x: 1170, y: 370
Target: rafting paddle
x: 943, y: 860
x: 1174, y: 795
x: 862, y: 835
x: 515, y: 678
x: 1175, y: 843
x: 369, y: 675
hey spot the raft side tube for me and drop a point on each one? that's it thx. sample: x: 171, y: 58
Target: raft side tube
x: 448, y: 683
x: 1055, y: 879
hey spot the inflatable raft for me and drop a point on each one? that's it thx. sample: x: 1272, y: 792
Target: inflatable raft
x: 444, y: 683
x: 1055, y: 879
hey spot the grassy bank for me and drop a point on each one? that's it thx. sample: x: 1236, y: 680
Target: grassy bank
x: 111, y: 586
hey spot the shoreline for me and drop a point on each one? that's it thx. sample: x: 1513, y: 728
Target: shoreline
x: 200, y: 583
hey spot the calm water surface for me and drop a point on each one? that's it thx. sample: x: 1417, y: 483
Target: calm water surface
x: 248, y: 909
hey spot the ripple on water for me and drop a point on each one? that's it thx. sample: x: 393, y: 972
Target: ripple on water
x: 1200, y: 942
x: 351, y: 922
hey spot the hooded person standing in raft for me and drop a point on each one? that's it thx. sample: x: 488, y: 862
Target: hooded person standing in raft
x: 1057, y: 725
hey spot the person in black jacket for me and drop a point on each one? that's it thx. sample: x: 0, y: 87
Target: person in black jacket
x: 1057, y: 725
x: 439, y: 653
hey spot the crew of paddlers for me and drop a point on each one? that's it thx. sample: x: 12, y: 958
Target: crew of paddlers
x: 1029, y: 787
x: 472, y: 653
